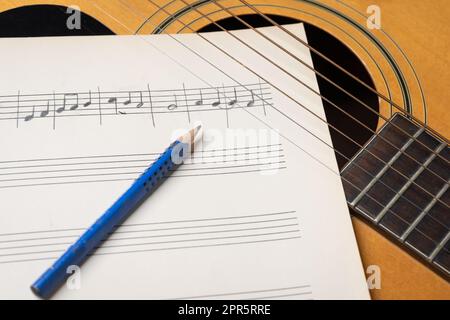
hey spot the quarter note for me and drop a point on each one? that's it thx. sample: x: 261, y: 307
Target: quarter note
x: 127, y: 102
x: 200, y: 101
x: 113, y: 100
x: 45, y: 113
x: 30, y: 116
x: 217, y: 102
x: 89, y: 102
x: 235, y: 100
x: 141, y: 102
x: 251, y: 102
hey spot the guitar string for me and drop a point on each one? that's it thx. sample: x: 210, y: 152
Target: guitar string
x: 316, y: 92
x: 336, y: 65
x: 322, y: 76
x: 337, y: 173
x: 362, y: 47
x: 308, y: 110
x: 292, y: 142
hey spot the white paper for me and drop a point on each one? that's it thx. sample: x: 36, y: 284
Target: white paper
x: 262, y: 216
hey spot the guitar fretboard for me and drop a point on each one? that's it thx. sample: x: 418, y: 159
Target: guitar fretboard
x: 400, y: 182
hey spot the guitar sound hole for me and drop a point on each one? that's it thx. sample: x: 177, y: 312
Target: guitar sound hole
x: 343, y: 56
x: 46, y: 21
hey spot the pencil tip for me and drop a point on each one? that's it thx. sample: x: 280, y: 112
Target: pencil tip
x: 192, y: 136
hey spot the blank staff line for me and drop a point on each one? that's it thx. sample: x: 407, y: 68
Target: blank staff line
x: 164, y: 229
x: 230, y: 167
x: 162, y: 249
x: 133, y: 91
x: 133, y: 167
x: 131, y: 179
x: 223, y: 173
x: 154, y: 236
x: 135, y: 172
x: 284, y: 295
x: 281, y: 150
x: 126, y: 97
x: 242, y: 292
x: 199, y: 246
x: 158, y: 222
x: 132, y: 155
x: 157, y: 242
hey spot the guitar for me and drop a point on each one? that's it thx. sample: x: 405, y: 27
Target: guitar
x: 383, y: 78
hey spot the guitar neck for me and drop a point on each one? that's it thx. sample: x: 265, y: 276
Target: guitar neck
x: 399, y: 182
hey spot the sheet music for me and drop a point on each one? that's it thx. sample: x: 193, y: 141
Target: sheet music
x: 257, y: 212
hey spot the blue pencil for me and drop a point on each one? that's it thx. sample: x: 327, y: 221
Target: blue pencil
x: 52, y: 279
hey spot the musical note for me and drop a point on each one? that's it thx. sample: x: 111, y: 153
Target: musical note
x: 251, y: 102
x: 61, y: 109
x: 72, y: 107
x: 30, y: 116
x: 141, y: 102
x: 130, y: 100
x: 234, y: 101
x: 113, y: 100
x: 127, y: 102
x: 217, y: 102
x: 45, y: 113
x: 173, y: 106
x: 200, y: 101
x: 75, y: 106
x: 89, y: 102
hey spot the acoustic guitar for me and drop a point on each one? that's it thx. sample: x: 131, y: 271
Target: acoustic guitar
x: 383, y: 73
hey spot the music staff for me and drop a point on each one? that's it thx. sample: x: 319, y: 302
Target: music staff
x: 154, y: 103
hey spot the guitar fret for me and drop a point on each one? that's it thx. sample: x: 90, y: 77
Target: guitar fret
x: 407, y: 185
x: 439, y: 247
x: 406, y: 193
x: 424, y: 212
x: 386, y: 167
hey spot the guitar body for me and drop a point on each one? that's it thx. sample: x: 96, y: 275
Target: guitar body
x: 406, y: 61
